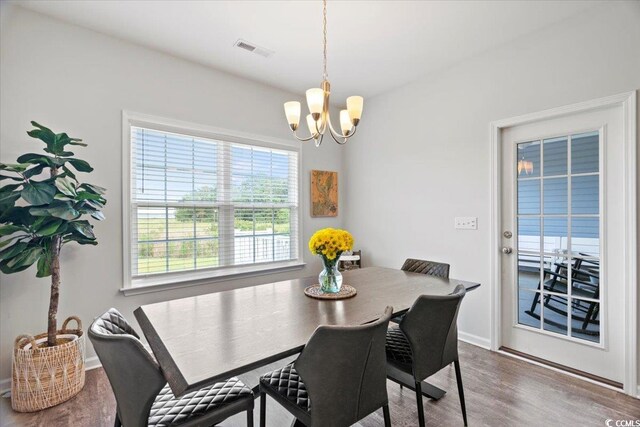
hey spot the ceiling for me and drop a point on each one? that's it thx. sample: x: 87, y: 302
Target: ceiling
x: 374, y: 46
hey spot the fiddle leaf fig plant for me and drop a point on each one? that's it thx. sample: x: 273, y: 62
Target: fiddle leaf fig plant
x: 44, y: 206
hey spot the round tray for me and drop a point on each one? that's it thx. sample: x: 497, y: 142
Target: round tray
x: 345, y: 292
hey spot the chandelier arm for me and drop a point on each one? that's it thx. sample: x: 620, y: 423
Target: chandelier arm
x: 335, y: 134
x: 345, y: 137
x: 324, y: 127
x: 302, y: 139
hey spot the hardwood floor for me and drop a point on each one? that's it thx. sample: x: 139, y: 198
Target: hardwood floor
x: 499, y: 390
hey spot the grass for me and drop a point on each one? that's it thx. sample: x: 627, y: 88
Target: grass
x: 159, y: 265
x: 156, y: 228
x: 152, y: 256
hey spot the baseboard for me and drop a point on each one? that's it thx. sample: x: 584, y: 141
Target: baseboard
x: 92, y: 363
x: 474, y: 340
x: 89, y: 364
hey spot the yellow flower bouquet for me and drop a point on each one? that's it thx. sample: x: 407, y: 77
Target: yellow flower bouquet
x: 329, y: 243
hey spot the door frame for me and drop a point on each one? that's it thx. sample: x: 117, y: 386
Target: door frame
x: 627, y: 101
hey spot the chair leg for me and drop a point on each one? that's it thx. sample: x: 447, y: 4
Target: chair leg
x: 117, y: 422
x: 250, y: 417
x: 419, y: 401
x: 589, y: 315
x: 387, y: 416
x: 263, y: 409
x: 536, y: 297
x: 456, y: 364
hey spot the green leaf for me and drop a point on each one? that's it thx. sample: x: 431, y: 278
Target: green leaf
x: 38, y: 193
x: 50, y: 228
x: 16, y: 215
x: 13, y: 250
x: 5, y: 189
x: 84, y: 228
x: 64, y: 139
x: 37, y: 159
x: 15, y: 178
x: 96, y: 204
x: 59, y: 196
x: 8, y: 201
x: 65, y: 185
x: 34, y: 171
x: 8, y: 229
x: 98, y: 215
x: 68, y: 172
x: 8, y: 204
x: 80, y: 165
x: 58, y: 208
x: 79, y: 239
x: 85, y: 195
x: 42, y: 133
x: 23, y: 260
x: 11, y: 239
x: 44, y: 265
x: 93, y: 188
x: 13, y: 167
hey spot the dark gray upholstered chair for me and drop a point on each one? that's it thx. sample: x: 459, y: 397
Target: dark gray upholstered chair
x: 338, y: 379
x: 431, y: 268
x: 426, y: 341
x: 142, y: 394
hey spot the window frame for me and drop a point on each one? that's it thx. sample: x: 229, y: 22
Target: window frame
x: 170, y: 280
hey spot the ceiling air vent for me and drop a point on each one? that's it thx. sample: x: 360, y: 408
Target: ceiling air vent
x: 250, y: 47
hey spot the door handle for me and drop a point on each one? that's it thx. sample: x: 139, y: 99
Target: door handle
x: 507, y: 250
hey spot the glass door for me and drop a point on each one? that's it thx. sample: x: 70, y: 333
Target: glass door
x: 558, y: 212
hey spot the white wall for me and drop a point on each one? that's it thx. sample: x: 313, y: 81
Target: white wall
x: 78, y: 81
x: 422, y: 155
x: 420, y: 159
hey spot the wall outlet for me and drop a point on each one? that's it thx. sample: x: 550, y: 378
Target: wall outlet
x: 466, y: 223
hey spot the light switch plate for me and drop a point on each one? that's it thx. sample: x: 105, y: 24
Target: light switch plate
x: 466, y: 223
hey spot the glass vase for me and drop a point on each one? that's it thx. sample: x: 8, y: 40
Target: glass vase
x: 330, y: 278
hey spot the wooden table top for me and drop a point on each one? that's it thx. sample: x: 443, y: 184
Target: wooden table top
x: 208, y: 338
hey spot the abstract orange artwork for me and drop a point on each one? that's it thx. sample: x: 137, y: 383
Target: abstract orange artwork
x: 324, y: 193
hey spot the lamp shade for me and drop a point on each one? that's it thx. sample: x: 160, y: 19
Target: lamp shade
x: 315, y: 100
x: 292, y: 111
x: 312, y: 125
x: 345, y: 122
x: 354, y: 106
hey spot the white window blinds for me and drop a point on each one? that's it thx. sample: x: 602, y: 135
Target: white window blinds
x: 199, y: 203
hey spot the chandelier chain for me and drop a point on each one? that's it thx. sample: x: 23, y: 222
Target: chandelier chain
x: 325, y: 75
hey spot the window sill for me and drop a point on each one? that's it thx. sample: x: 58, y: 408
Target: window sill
x: 175, y: 281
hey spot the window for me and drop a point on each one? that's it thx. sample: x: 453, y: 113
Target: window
x: 208, y: 205
x: 558, y: 212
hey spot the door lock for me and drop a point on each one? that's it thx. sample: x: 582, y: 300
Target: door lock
x: 507, y: 234
x: 507, y: 250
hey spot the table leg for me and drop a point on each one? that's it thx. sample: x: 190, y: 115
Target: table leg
x: 406, y: 380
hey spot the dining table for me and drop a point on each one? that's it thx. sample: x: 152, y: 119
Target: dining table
x: 204, y: 339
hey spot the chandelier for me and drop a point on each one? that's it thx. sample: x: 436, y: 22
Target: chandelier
x: 525, y: 166
x: 319, y: 119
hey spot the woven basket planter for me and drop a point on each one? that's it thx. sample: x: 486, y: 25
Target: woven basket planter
x: 46, y: 376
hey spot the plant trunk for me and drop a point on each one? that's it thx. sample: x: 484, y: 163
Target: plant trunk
x: 55, y: 291
x: 52, y: 321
